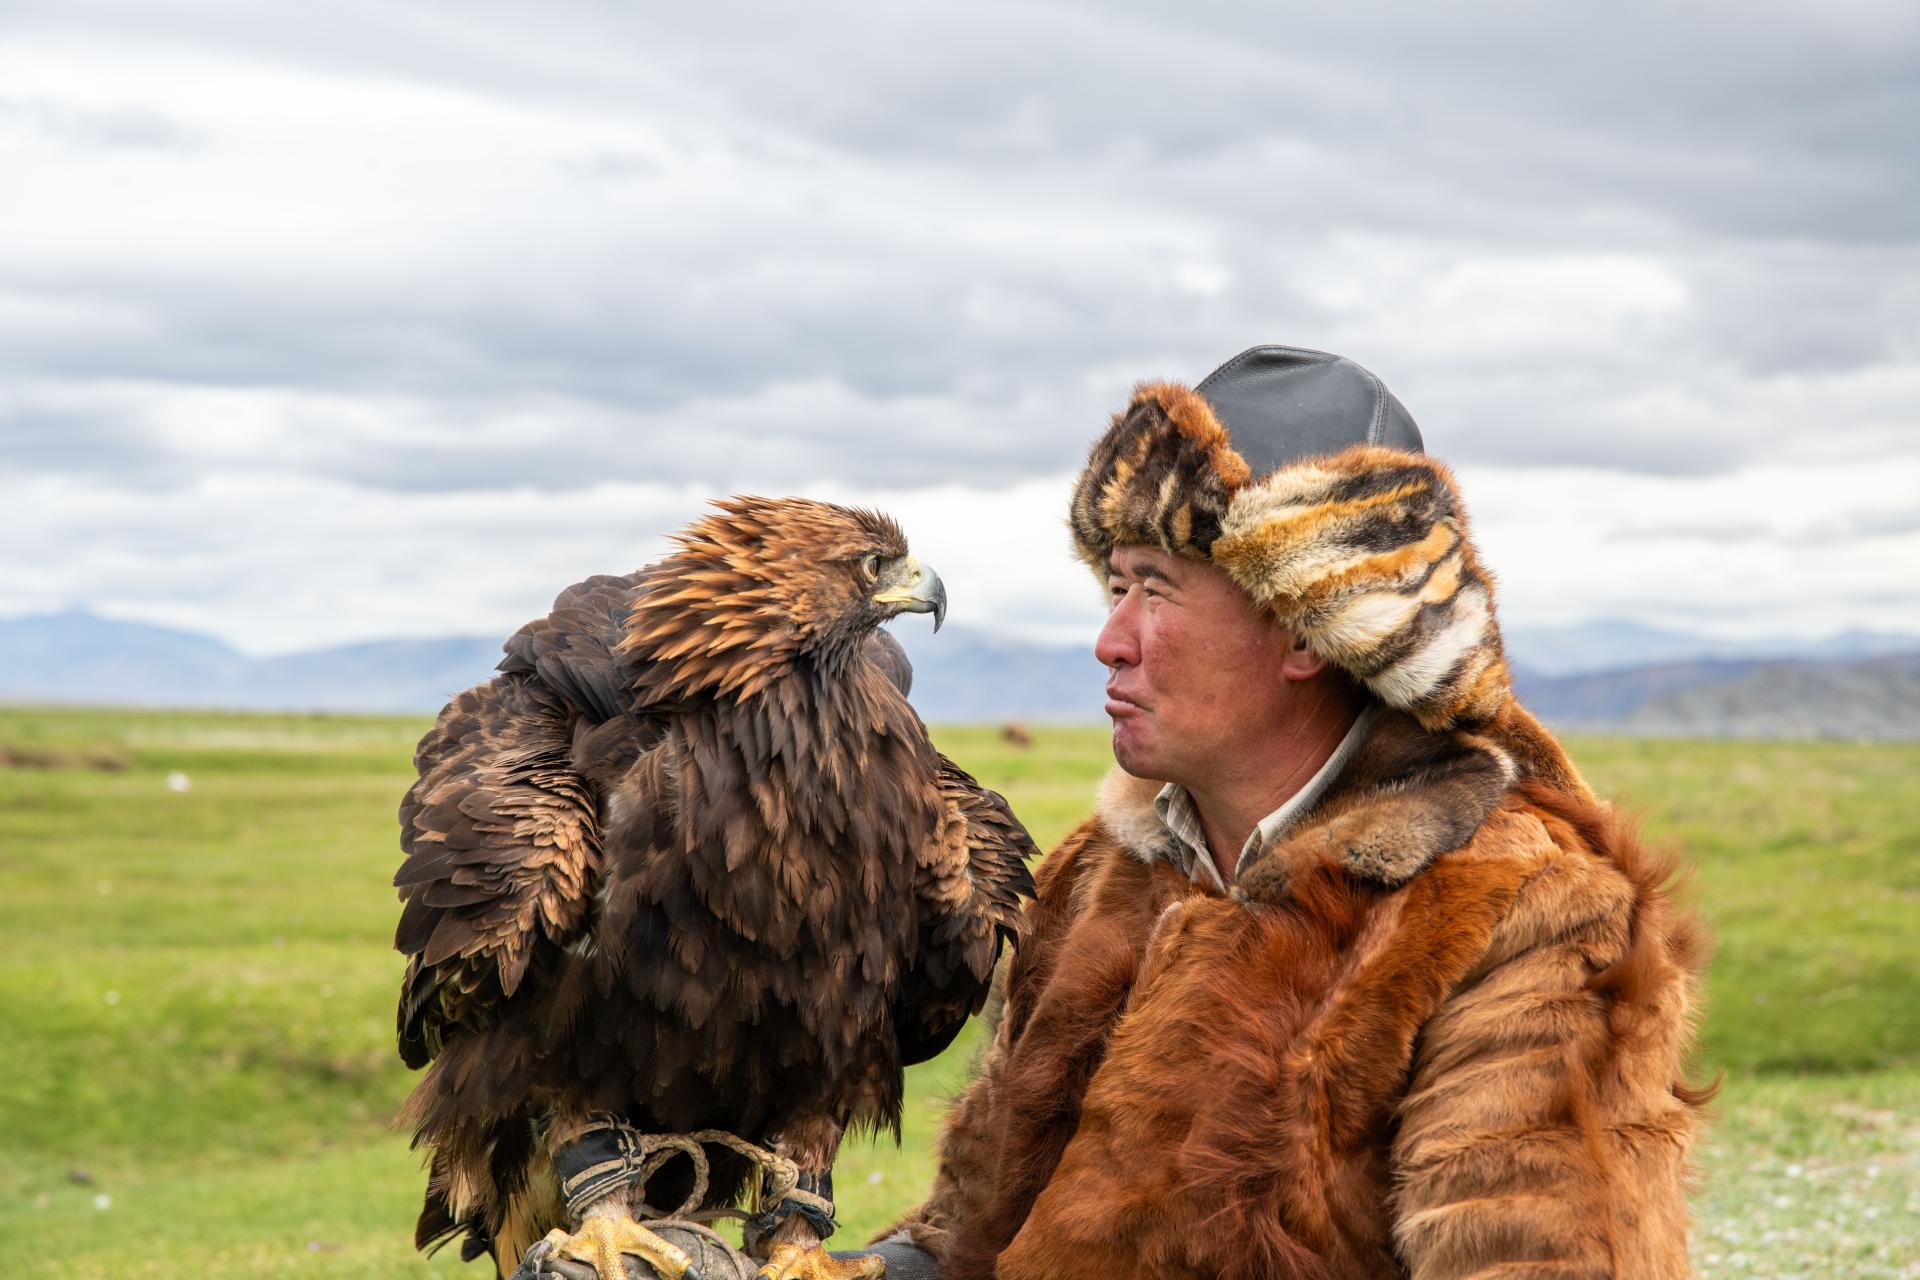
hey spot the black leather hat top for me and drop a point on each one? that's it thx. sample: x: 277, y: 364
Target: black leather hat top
x: 1281, y: 404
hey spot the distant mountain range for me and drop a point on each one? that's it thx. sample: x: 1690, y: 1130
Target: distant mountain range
x: 81, y: 657
x: 962, y: 674
x: 1869, y: 698
x: 1607, y: 675
x: 1614, y: 644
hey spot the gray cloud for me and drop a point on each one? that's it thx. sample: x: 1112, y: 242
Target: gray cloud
x: 909, y: 245
x: 121, y: 128
x: 1709, y: 531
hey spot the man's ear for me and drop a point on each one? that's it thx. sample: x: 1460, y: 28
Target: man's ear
x: 1300, y: 662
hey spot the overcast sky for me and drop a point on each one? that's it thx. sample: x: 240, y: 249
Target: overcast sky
x: 331, y: 322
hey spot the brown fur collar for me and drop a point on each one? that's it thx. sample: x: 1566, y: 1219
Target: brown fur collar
x: 1408, y: 796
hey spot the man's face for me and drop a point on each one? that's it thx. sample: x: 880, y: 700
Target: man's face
x: 1195, y: 670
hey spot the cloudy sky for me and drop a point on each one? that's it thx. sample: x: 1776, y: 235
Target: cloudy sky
x: 331, y: 322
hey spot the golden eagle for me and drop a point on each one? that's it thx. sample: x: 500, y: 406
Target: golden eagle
x: 689, y: 862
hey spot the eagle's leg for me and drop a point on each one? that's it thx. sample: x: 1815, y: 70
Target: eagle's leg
x: 607, y: 1231
x: 599, y: 1162
x: 793, y: 1248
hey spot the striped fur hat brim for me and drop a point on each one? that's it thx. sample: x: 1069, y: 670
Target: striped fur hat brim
x: 1363, y: 553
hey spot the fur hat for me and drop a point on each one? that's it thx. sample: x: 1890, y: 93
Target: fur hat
x: 1301, y: 476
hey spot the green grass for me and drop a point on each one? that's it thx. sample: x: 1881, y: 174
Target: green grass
x: 1807, y: 857
x: 197, y: 990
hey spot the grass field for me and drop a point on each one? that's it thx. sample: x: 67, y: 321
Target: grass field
x: 197, y: 993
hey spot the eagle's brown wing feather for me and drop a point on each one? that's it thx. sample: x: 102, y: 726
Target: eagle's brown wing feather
x: 500, y: 830
x: 574, y: 649
x: 502, y: 856
x: 970, y: 884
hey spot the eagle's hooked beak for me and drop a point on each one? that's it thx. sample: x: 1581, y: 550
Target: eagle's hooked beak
x: 918, y: 590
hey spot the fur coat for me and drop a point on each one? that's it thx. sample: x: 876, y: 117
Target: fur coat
x: 1438, y: 1029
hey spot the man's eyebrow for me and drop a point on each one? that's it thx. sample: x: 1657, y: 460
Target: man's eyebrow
x: 1144, y: 571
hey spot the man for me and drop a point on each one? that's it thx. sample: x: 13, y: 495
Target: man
x: 1364, y: 981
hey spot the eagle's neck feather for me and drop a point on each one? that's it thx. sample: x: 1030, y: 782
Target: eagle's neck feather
x: 701, y: 626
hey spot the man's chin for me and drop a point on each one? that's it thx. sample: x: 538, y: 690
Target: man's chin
x: 1130, y: 752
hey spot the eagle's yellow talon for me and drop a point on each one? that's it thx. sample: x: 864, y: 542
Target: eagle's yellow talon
x: 602, y: 1238
x: 798, y: 1262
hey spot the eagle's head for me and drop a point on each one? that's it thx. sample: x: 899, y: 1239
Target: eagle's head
x: 763, y: 583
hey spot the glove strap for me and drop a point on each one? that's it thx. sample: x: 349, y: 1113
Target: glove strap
x: 811, y: 1197
x: 603, y: 1158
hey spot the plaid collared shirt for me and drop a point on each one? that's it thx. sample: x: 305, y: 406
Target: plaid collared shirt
x: 1180, y: 817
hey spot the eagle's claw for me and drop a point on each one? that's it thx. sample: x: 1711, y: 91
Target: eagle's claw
x: 540, y: 1262
x: 799, y: 1262
x: 604, y: 1238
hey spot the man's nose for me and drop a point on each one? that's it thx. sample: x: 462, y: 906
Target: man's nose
x: 1117, y: 644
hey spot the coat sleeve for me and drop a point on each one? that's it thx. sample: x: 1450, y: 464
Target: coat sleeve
x: 1545, y: 1131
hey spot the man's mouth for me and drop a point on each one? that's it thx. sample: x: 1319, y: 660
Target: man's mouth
x: 1119, y: 704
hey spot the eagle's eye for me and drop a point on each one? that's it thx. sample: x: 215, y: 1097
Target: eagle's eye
x: 870, y: 566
